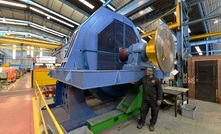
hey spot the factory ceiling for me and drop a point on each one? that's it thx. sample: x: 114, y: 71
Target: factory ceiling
x: 53, y: 20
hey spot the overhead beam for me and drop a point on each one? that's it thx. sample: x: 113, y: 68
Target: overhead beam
x: 153, y: 14
x: 205, y: 35
x: 171, y: 26
x: 159, y: 12
x: 202, y: 16
x: 203, y: 19
x: 134, y: 7
x: 29, y: 42
x: 19, y: 49
x: 205, y: 42
x: 194, y: 2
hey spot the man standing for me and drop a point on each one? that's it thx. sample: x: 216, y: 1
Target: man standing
x: 152, y: 97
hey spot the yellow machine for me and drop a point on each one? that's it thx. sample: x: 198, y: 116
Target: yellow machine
x: 40, y: 74
x: 6, y: 64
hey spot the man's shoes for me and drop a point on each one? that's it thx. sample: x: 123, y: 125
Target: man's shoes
x: 151, y: 128
x: 139, y: 125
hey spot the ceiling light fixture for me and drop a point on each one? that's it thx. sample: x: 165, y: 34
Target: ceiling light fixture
x: 139, y: 29
x: 141, y: 12
x: 26, y: 23
x: 47, y: 30
x: 216, y: 21
x: 13, y: 23
x: 198, y: 50
x: 189, y: 31
x: 87, y: 4
x: 36, y: 10
x: 48, y: 10
x: 144, y: 11
x: 13, y: 4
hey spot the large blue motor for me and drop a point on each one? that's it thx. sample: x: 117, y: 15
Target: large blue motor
x: 92, y: 63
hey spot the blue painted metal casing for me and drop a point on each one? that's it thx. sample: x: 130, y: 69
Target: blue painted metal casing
x: 83, y: 66
x: 92, y: 63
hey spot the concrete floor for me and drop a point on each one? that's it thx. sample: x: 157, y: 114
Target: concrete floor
x: 16, y: 115
x: 207, y: 121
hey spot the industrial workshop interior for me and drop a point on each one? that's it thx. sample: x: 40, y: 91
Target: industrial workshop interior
x: 110, y: 66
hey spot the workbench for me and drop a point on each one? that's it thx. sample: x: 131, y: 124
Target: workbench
x: 176, y: 91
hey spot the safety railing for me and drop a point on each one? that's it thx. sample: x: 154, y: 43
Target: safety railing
x: 38, y: 115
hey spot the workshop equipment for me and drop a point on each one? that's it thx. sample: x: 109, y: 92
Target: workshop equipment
x: 3, y: 80
x: 105, y: 54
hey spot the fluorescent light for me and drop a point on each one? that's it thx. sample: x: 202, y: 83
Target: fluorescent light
x: 48, y: 10
x: 141, y: 12
x: 140, y: 29
x: 189, y: 31
x: 144, y: 11
x: 28, y: 52
x: 150, y: 37
x: 41, y: 28
x: 112, y: 8
x: 47, y: 15
x: 87, y: 4
x: 32, y: 52
x: 41, y: 52
x: 216, y: 21
x: 21, y: 22
x: 48, y: 29
x: 198, y: 50
x: 12, y: 4
x: 14, y: 52
x: 13, y: 23
x: 174, y: 13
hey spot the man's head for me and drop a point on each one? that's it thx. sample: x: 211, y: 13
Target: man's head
x: 149, y: 71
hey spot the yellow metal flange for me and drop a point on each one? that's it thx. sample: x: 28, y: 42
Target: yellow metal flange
x: 160, y: 49
x: 151, y: 51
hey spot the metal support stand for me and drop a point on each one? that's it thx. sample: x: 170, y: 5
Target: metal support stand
x: 127, y: 108
x: 73, y: 102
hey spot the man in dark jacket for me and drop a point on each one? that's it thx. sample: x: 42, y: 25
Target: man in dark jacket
x: 152, y: 97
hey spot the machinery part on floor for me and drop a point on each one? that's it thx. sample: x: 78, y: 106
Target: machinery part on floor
x: 104, y: 55
x: 48, y: 90
x: 41, y: 75
x: 127, y: 108
x: 3, y: 80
